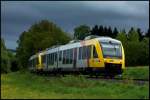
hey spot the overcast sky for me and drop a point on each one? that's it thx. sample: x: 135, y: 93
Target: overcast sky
x: 18, y: 16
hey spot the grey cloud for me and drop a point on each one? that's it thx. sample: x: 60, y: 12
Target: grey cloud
x: 18, y: 16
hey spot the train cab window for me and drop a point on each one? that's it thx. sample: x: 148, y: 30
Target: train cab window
x: 94, y: 52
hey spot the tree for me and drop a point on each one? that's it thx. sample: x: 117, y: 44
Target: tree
x: 144, y: 51
x: 122, y: 37
x: 81, y: 32
x: 143, y: 55
x: 131, y: 55
x: 115, y: 32
x: 110, y: 34
x: 105, y: 31
x: 101, y: 31
x: 147, y: 34
x: 133, y: 35
x: 95, y: 30
x: 40, y: 36
x: 5, y: 59
x: 140, y: 34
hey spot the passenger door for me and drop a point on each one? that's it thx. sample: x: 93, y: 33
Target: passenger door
x: 94, y: 60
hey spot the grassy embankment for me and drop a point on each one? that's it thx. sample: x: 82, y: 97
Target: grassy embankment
x: 27, y: 85
x: 136, y: 72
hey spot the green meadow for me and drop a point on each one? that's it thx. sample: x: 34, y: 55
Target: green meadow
x: 26, y: 85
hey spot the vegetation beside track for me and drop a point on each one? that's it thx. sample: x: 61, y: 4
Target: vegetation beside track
x: 136, y: 72
x: 27, y: 85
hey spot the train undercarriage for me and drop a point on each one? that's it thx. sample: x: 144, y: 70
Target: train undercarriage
x: 110, y: 70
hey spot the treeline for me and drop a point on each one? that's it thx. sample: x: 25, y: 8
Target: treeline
x: 8, y: 60
x: 45, y: 34
x: 82, y: 31
x: 40, y: 36
x: 135, y: 42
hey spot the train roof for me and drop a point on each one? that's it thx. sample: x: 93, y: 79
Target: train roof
x: 32, y: 57
x: 107, y: 39
x: 75, y: 42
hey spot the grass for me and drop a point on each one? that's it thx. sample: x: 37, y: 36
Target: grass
x: 26, y: 85
x: 136, y: 72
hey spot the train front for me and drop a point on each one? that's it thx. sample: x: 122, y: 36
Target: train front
x: 113, y: 54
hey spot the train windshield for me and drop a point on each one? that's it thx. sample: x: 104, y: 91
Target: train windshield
x: 111, y: 50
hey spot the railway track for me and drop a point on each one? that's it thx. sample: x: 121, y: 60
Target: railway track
x: 125, y: 80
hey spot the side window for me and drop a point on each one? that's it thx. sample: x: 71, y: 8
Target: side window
x: 33, y: 63
x: 67, y: 62
x: 89, y: 51
x: 30, y: 63
x: 68, y: 57
x: 83, y: 52
x: 47, y: 59
x: 94, y: 52
x: 64, y: 55
x: 55, y: 56
x: 71, y: 55
x: 43, y: 59
x: 80, y: 53
x: 60, y: 55
x: 36, y: 61
x: 51, y: 60
x: 52, y: 57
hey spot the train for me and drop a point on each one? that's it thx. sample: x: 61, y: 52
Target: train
x: 96, y: 55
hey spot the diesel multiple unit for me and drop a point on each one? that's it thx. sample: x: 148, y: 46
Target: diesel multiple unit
x: 100, y: 55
